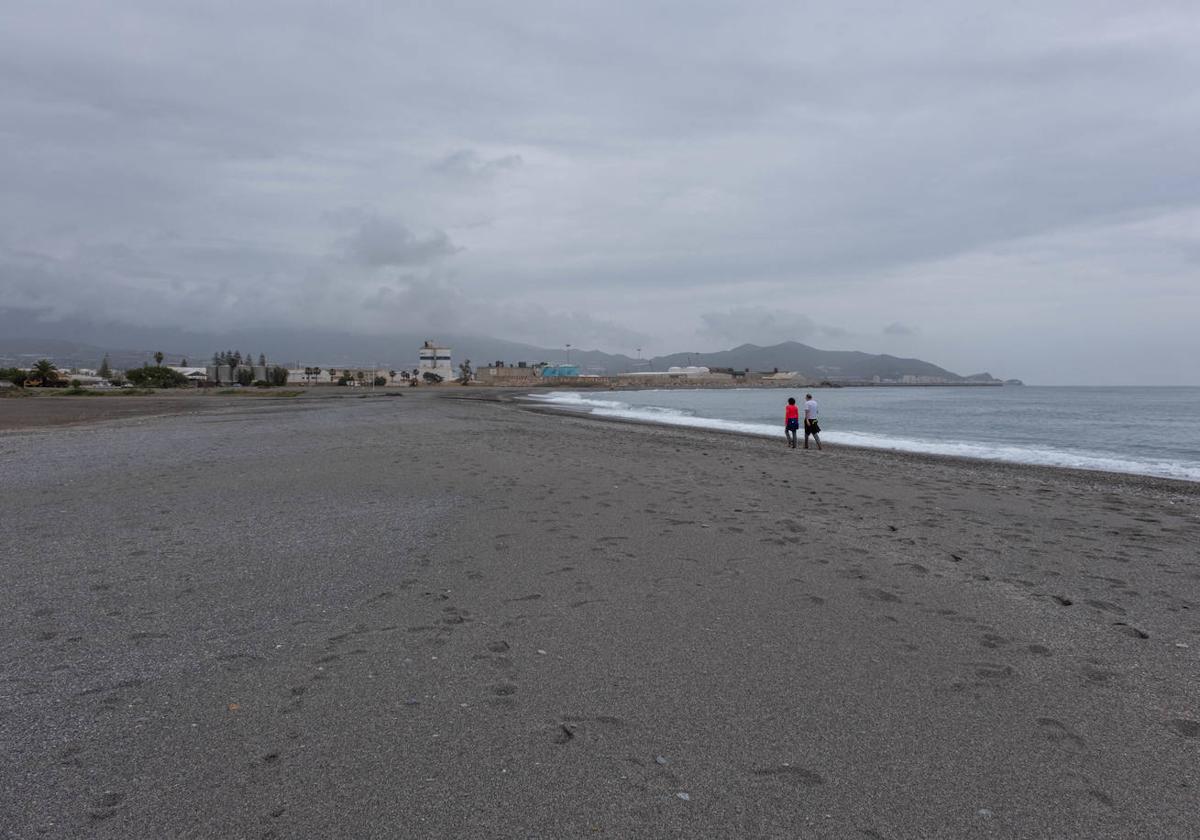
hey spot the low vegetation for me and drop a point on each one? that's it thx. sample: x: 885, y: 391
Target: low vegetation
x: 43, y: 374
x: 14, y: 375
x: 156, y: 376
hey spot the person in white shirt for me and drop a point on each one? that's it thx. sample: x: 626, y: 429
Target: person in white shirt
x: 811, y: 426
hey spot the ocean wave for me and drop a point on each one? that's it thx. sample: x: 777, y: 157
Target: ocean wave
x: 1040, y: 456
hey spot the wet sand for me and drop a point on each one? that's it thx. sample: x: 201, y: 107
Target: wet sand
x: 430, y: 617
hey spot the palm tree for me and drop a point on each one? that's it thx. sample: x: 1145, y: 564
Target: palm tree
x: 158, y: 357
x: 45, y: 370
x: 392, y: 376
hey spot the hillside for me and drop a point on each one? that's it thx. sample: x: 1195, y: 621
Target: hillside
x: 811, y: 362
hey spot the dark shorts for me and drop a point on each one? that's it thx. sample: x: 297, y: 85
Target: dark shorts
x: 793, y: 425
x: 812, y: 427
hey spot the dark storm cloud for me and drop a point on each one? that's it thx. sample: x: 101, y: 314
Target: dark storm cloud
x: 760, y: 171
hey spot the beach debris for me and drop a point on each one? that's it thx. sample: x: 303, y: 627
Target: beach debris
x: 541, y: 652
x: 412, y: 701
x: 684, y: 796
x: 1181, y: 644
x: 233, y: 707
x: 956, y: 558
x: 893, y: 528
x: 1066, y: 602
x: 566, y: 733
x: 985, y: 813
x: 658, y: 759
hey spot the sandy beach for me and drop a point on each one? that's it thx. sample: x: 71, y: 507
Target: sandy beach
x: 429, y: 616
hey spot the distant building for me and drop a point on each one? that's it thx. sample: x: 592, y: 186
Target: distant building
x: 195, y: 375
x: 500, y: 372
x: 556, y: 371
x: 435, y: 359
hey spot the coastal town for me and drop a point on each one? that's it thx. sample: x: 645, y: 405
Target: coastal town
x: 434, y: 365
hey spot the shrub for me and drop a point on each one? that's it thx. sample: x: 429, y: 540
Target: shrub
x: 14, y: 375
x: 156, y: 377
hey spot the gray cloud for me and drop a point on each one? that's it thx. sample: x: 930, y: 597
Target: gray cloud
x: 897, y: 328
x: 382, y: 242
x: 467, y: 163
x: 766, y: 326
x: 731, y: 167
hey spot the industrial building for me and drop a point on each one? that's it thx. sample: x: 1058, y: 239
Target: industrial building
x: 435, y: 359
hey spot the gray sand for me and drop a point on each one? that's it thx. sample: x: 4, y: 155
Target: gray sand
x: 426, y: 617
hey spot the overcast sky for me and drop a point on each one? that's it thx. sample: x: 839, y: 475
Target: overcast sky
x: 1012, y: 187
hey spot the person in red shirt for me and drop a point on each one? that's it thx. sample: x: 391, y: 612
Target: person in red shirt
x: 791, y: 421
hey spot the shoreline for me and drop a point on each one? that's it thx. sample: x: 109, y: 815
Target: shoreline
x: 1176, y: 486
x: 78, y: 412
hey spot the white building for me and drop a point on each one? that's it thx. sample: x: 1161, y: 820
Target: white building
x: 435, y: 359
x: 195, y: 375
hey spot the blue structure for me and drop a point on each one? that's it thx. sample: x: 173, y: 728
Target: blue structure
x: 553, y: 371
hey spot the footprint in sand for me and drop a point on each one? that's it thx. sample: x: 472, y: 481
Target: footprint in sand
x: 993, y: 671
x: 1097, y: 676
x: 1106, y: 606
x: 1059, y: 733
x: 1130, y: 630
x: 1186, y: 728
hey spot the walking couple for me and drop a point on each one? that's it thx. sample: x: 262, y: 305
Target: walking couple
x: 792, y: 421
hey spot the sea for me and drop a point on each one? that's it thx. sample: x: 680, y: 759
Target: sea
x: 1143, y: 431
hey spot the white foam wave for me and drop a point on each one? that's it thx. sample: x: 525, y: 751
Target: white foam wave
x: 568, y: 398
x: 961, y: 449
